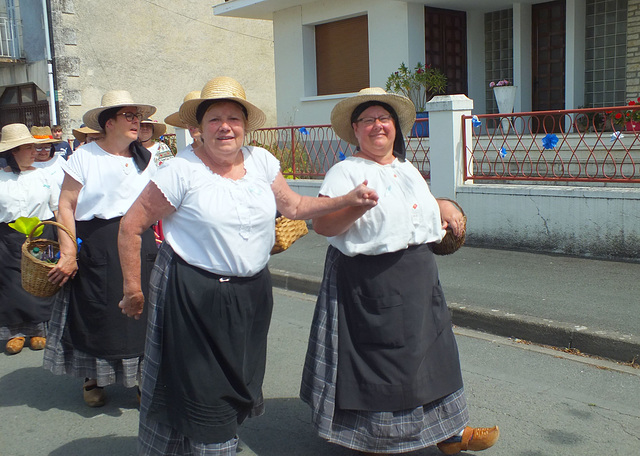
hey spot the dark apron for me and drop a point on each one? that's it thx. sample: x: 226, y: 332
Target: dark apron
x: 16, y: 305
x: 214, y: 348
x: 396, y: 348
x: 95, y: 323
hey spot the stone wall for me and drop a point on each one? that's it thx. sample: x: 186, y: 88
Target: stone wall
x: 159, y: 51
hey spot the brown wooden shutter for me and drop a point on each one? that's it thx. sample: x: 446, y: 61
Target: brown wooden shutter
x: 342, y: 56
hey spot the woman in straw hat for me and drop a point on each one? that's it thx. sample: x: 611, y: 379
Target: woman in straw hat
x: 392, y: 382
x: 211, y: 294
x: 24, y: 192
x: 150, y: 131
x: 89, y: 337
x: 175, y: 121
x: 85, y: 135
x: 47, y: 159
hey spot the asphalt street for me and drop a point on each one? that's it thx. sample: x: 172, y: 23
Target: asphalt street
x: 546, y: 402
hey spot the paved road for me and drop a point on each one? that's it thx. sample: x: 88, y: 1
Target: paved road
x: 546, y: 402
x: 591, y: 305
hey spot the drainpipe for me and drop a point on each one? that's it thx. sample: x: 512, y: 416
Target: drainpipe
x: 52, y: 91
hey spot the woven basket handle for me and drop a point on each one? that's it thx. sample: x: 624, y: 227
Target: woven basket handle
x: 59, y: 225
x: 454, y: 203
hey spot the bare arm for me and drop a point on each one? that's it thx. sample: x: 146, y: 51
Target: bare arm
x: 337, y: 222
x: 67, y: 265
x: 298, y: 207
x: 150, y: 207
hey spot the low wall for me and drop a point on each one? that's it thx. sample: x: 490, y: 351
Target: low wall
x: 582, y: 221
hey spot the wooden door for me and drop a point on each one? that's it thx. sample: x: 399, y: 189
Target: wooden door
x: 446, y: 46
x: 548, y: 55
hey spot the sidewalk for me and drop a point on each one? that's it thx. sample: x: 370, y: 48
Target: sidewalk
x: 588, y: 305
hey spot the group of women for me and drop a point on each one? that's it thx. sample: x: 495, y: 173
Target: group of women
x: 382, y: 373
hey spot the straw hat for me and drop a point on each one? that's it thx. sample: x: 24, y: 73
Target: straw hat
x: 341, y: 113
x: 174, y: 119
x: 45, y: 134
x: 159, y: 128
x: 17, y: 134
x: 115, y: 99
x: 81, y: 133
x: 223, y: 88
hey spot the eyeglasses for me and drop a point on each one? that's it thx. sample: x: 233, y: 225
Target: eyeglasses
x: 130, y: 116
x: 41, y: 148
x: 368, y: 121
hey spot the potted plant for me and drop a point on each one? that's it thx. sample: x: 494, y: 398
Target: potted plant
x: 629, y: 119
x: 419, y: 85
x: 505, y: 95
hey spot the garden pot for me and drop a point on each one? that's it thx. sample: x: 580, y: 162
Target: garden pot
x: 505, y: 98
x: 421, y: 129
x: 633, y: 126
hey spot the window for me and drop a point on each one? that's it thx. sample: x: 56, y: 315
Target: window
x: 498, y: 43
x: 342, y: 56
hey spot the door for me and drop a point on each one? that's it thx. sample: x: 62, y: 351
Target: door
x: 446, y: 46
x: 548, y: 65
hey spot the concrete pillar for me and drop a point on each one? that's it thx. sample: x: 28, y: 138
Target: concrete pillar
x: 446, y: 142
x: 183, y: 138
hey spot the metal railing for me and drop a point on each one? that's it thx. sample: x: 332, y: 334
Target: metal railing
x: 8, y: 41
x: 316, y: 148
x: 579, y: 145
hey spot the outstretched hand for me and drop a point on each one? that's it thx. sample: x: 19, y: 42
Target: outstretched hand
x: 132, y: 305
x: 364, y: 196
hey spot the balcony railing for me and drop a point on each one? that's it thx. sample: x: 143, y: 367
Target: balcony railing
x: 580, y: 145
x: 9, y: 46
x: 317, y: 148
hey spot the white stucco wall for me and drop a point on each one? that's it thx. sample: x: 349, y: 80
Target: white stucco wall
x: 159, y: 51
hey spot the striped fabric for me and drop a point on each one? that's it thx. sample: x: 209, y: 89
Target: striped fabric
x: 156, y: 438
x: 375, y: 432
x: 60, y: 358
x: 23, y: 330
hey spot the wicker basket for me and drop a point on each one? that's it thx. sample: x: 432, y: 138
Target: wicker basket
x: 34, y: 271
x: 287, y: 232
x: 450, y: 243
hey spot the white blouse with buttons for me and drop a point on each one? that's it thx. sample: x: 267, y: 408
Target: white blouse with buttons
x: 28, y: 194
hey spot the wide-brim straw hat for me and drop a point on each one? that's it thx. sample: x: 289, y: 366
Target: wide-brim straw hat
x: 45, y: 134
x: 17, y: 134
x: 115, y: 99
x: 341, y: 113
x: 174, y: 119
x: 223, y: 88
x: 81, y: 133
x: 159, y: 128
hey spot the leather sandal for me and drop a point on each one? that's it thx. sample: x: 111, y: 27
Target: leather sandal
x: 94, y: 395
x: 473, y: 439
x: 15, y: 345
x: 37, y: 343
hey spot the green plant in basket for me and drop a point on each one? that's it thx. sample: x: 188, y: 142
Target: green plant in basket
x: 25, y: 225
x: 284, y: 155
x: 419, y: 85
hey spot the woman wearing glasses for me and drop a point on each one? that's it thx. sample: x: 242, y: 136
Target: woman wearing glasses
x: 382, y: 373
x: 89, y: 337
x: 48, y: 160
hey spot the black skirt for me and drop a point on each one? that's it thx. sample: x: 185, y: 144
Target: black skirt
x: 214, y: 343
x: 95, y: 323
x: 396, y: 346
x: 16, y: 305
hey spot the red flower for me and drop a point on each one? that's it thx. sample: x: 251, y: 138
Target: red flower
x: 618, y: 115
x: 632, y: 103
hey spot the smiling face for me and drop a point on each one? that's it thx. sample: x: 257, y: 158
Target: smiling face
x: 43, y: 152
x: 145, y: 133
x: 375, y: 139
x: 222, y: 127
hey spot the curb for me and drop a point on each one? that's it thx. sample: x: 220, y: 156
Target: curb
x: 607, y: 344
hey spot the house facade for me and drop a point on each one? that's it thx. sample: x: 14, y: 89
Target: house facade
x: 158, y: 51
x: 560, y: 54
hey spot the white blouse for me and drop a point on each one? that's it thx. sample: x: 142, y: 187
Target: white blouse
x: 110, y: 183
x: 53, y: 168
x: 28, y: 194
x: 220, y: 225
x: 406, y: 214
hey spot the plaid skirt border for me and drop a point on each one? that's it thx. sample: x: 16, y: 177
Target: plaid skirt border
x: 61, y: 359
x: 23, y: 330
x: 388, y: 432
x: 157, y: 438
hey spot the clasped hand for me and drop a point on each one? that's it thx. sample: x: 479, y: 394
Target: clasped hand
x: 364, y: 196
x: 132, y: 304
x: 451, y: 217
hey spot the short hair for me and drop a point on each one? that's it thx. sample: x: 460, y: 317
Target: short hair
x: 107, y: 114
x: 56, y: 128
